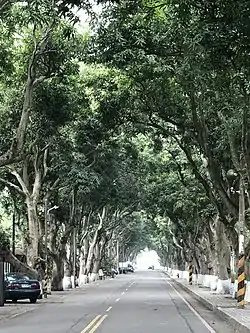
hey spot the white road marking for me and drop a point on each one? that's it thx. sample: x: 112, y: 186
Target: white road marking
x: 21, y: 313
x: 127, y: 289
x: 211, y: 330
x: 118, y: 299
x: 123, y: 293
x: 109, y: 309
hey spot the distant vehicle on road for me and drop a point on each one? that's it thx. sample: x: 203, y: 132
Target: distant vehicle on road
x: 21, y: 286
x: 151, y: 267
x: 126, y: 267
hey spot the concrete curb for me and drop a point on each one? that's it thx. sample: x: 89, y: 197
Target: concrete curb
x: 236, y: 325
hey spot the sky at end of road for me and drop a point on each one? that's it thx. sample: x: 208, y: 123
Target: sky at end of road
x: 147, y: 258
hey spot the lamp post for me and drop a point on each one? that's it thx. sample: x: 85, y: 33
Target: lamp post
x: 117, y: 255
x: 14, y: 232
x: 1, y: 279
x: 241, y: 262
x: 74, y: 258
x: 46, y: 214
x: 241, y: 233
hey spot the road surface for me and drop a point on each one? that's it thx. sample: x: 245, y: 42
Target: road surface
x: 142, y: 302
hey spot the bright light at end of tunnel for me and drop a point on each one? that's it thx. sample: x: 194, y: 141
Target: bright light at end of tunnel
x: 147, y: 258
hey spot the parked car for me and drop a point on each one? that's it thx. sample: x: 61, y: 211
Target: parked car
x: 21, y: 286
x: 122, y: 270
x: 151, y: 267
x: 130, y: 268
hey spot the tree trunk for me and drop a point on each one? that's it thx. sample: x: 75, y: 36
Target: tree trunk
x: 222, y: 248
x: 33, y: 247
x: 90, y: 258
x: 180, y: 260
x: 67, y: 284
x: 96, y: 263
x: 210, y: 240
x: 20, y: 266
x: 83, y: 261
x: 58, y: 274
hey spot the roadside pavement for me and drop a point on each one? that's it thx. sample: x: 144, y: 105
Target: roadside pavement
x: 224, y: 306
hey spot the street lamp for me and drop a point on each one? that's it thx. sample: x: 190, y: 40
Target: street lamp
x: 1, y: 279
x: 14, y: 231
x: 46, y: 214
x: 241, y: 235
x: 117, y: 255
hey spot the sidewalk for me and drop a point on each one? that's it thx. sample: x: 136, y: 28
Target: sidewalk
x: 223, y: 306
x: 11, y: 310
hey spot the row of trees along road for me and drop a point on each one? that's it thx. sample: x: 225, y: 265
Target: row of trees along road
x: 136, y: 130
x: 188, y: 66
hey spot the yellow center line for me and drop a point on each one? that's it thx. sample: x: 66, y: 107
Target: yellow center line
x: 91, y: 324
x: 98, y: 324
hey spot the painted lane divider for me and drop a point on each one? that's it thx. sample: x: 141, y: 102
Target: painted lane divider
x: 123, y: 293
x: 98, y: 324
x: 118, y: 299
x: 109, y: 309
x: 91, y: 324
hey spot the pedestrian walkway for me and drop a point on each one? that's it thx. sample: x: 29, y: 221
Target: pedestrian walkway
x: 11, y: 310
x: 223, y: 305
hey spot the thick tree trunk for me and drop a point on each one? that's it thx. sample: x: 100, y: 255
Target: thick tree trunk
x: 96, y: 263
x: 210, y: 241
x: 58, y: 273
x: 222, y: 248
x: 33, y: 246
x: 97, y: 259
x: 83, y: 278
x: 98, y: 254
x: 90, y: 258
x: 67, y: 283
x: 180, y: 260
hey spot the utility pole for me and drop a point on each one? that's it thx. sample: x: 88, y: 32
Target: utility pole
x: 241, y: 262
x: 74, y: 257
x: 46, y: 275
x: 117, y: 255
x: 1, y: 280
x: 46, y: 247
x: 14, y: 231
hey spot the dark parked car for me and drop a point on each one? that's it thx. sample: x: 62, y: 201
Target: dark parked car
x: 21, y: 286
x: 151, y: 267
x: 130, y: 268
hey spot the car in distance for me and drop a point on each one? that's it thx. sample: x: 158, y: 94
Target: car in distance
x: 21, y: 286
x: 151, y: 267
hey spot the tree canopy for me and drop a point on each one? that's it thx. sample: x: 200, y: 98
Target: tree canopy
x: 136, y: 130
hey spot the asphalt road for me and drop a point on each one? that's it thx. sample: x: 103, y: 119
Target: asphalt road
x: 143, y: 302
